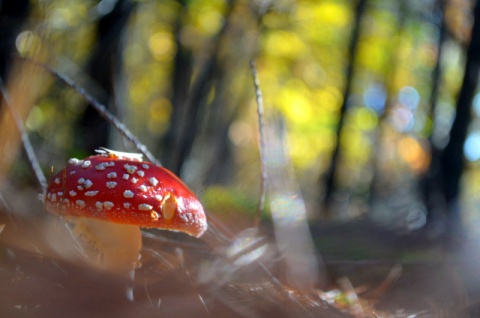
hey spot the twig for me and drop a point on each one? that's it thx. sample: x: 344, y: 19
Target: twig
x: 258, y: 243
x: 102, y: 110
x: 385, y: 285
x: 352, y: 297
x: 262, y: 144
x: 6, y: 206
x: 27, y: 145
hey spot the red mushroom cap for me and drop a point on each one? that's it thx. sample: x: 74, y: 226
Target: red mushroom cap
x: 121, y: 188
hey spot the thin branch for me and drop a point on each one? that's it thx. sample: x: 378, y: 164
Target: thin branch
x: 27, y: 145
x: 261, y: 129
x: 102, y: 110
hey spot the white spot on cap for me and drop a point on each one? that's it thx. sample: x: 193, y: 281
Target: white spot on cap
x: 81, y: 181
x: 66, y: 201
x: 112, y: 175
x: 109, y: 164
x: 91, y: 193
x: 145, y: 166
x: 108, y: 205
x: 72, y: 172
x: 153, y: 181
x: 57, y: 181
x: 100, y: 167
x: 72, y: 193
x: 79, y: 162
x: 130, y: 168
x: 49, y: 195
x: 142, y: 188
x: 60, y: 194
x: 80, y: 187
x: 86, y: 164
x: 54, y: 197
x: 134, y: 180
x: 186, y: 217
x: 145, y: 207
x: 125, y: 176
x: 87, y: 184
x: 99, y: 205
x: 128, y: 194
x: 72, y: 161
x: 111, y: 184
x: 80, y: 203
x: 158, y: 197
x: 140, y: 173
x: 126, y: 205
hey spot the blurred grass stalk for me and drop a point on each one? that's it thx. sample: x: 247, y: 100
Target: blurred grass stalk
x: 25, y: 84
x: 301, y: 262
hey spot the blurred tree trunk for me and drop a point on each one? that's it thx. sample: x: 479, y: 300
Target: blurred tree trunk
x: 12, y: 16
x: 430, y: 187
x: 197, y: 99
x: 381, y: 183
x: 181, y: 77
x: 352, y: 54
x: 452, y: 160
x: 437, y: 71
x: 219, y: 169
x: 105, y: 68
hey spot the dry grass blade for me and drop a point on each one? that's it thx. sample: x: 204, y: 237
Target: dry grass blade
x: 25, y: 78
x: 262, y: 144
x: 102, y: 110
x: 27, y: 145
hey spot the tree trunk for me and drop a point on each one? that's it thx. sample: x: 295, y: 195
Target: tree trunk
x: 352, y: 53
x: 12, y: 15
x: 195, y: 104
x: 181, y: 78
x: 429, y: 183
x: 104, y: 68
x: 452, y: 160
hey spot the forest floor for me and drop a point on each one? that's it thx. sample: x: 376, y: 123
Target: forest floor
x: 434, y: 279
x: 407, y: 275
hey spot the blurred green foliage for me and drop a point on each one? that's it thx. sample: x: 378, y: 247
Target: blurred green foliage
x: 301, y: 48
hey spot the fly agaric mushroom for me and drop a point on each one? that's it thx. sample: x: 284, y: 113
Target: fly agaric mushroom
x: 121, y: 188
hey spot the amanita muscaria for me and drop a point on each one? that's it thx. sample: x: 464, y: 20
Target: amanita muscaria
x: 121, y: 188
x: 115, y: 193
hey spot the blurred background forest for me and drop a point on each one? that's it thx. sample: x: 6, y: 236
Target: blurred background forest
x: 376, y: 100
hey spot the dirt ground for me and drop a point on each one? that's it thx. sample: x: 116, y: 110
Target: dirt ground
x: 435, y: 278
x: 393, y: 275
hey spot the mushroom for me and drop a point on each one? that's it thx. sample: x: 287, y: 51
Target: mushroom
x: 120, y: 188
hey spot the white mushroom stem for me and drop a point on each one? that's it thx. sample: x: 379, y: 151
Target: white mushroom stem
x: 100, y: 245
x: 112, y: 247
x: 108, y: 246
